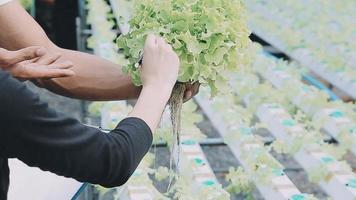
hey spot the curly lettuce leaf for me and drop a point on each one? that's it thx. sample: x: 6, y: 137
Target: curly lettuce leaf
x: 208, y: 35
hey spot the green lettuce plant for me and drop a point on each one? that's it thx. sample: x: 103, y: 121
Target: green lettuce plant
x: 26, y: 4
x: 209, y: 36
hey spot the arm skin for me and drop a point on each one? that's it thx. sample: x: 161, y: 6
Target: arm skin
x: 159, y: 73
x: 95, y: 79
x: 34, y: 63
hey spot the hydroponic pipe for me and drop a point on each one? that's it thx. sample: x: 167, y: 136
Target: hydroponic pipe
x: 321, y: 86
x: 311, y: 80
x: 81, y: 189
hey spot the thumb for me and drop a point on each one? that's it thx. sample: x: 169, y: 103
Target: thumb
x: 26, y: 54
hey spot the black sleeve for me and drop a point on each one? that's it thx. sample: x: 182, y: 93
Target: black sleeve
x: 43, y: 138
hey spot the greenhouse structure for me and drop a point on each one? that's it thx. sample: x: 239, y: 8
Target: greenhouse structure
x: 275, y: 116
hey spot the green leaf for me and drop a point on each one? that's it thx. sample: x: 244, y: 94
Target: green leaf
x: 209, y: 36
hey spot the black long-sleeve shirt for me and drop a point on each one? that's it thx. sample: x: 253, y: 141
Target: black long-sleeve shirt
x: 41, y: 137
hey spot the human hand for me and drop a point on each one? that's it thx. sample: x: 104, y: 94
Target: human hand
x: 34, y: 62
x: 50, y: 65
x: 9, y: 58
x: 159, y: 73
x: 191, y: 89
x: 160, y: 65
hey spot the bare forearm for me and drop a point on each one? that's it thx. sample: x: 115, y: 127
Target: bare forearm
x: 159, y: 74
x: 150, y: 105
x: 96, y: 78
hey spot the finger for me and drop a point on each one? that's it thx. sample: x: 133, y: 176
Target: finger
x: 167, y: 47
x: 48, y: 59
x: 161, y: 42
x: 39, y: 72
x: 4, y: 57
x: 191, y: 91
x: 28, y: 53
x: 196, y: 88
x: 41, y: 52
x: 162, y: 46
x: 188, y: 95
x: 4, y: 54
x: 58, y: 73
x: 61, y: 65
x: 51, y: 73
x: 150, y: 40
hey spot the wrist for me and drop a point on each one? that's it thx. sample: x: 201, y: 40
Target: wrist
x: 163, y: 91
